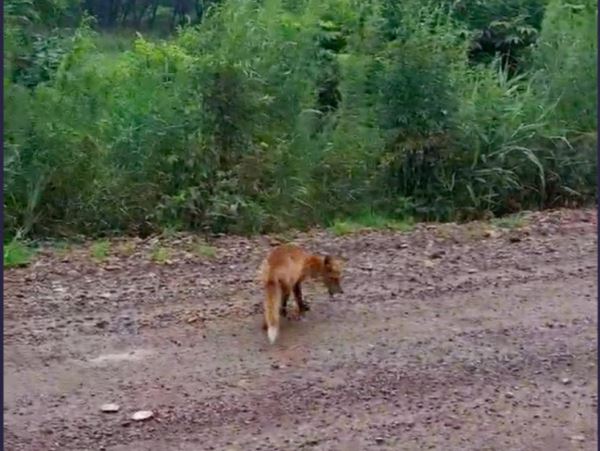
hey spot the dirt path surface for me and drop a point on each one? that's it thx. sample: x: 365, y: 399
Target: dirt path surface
x: 449, y: 337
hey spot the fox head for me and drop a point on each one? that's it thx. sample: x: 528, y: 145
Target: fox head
x: 332, y: 274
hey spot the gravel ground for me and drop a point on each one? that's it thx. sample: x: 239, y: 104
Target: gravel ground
x: 449, y: 337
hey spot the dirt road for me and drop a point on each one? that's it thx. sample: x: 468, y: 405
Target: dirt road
x: 448, y: 337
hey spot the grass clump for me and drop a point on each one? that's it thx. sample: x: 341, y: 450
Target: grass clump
x: 204, y: 250
x: 17, y: 254
x: 514, y: 221
x: 370, y: 222
x: 63, y: 248
x: 127, y: 249
x: 99, y: 250
x: 160, y: 255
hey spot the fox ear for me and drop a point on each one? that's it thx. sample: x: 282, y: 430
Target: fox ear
x: 327, y: 261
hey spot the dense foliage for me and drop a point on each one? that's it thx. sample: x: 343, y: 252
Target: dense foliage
x: 262, y: 115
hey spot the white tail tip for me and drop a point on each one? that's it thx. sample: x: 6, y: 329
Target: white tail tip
x: 272, y: 333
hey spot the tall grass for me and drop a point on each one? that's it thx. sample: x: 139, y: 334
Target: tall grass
x: 268, y: 116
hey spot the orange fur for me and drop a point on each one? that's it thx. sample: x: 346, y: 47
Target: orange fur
x: 282, y: 273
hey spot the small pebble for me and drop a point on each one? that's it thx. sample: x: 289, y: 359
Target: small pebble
x: 109, y: 408
x: 142, y: 415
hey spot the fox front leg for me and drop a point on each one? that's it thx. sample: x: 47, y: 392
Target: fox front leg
x: 284, y: 298
x: 302, y: 305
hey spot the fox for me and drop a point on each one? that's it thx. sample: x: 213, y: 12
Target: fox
x: 282, y: 273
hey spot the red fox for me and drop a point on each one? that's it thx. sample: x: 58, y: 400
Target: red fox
x: 282, y: 272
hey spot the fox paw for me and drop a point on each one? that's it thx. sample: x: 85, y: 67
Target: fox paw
x: 295, y: 316
x: 304, y: 307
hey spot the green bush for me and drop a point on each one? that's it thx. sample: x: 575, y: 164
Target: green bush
x: 566, y: 58
x: 505, y: 29
x: 277, y: 114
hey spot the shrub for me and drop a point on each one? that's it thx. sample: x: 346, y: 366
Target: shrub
x: 277, y: 114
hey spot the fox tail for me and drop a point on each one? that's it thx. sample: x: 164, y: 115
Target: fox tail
x: 272, y: 305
